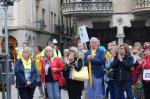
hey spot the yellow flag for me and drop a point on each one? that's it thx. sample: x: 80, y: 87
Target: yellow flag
x: 90, y: 73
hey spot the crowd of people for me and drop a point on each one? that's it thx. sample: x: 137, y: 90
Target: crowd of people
x: 116, y: 72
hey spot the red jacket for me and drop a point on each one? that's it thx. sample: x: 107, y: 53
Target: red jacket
x: 57, y: 63
x: 146, y: 65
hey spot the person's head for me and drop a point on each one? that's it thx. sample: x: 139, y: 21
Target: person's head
x: 93, y: 43
x: 146, y: 45
x: 124, y: 49
x: 147, y: 51
x: 73, y: 52
x: 37, y: 49
x: 26, y: 54
x: 81, y: 47
x: 137, y: 46
x: 49, y: 52
x: 66, y: 52
x: 99, y: 43
x: 113, y: 51
x: 25, y: 44
x: 111, y: 45
x: 51, y: 43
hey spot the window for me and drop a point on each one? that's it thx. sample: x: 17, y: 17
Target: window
x: 43, y: 14
x: 52, y: 23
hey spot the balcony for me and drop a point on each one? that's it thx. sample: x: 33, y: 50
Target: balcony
x: 141, y: 6
x: 87, y: 8
x: 40, y: 24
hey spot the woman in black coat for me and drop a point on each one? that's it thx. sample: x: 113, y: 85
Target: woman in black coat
x: 122, y: 76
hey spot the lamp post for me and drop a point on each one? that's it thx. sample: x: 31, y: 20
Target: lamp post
x: 5, y: 4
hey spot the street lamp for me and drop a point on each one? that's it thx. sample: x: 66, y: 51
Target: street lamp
x: 5, y: 4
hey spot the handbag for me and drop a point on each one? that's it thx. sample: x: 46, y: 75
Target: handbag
x: 146, y: 74
x: 81, y: 75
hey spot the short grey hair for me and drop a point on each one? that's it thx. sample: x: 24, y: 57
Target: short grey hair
x: 93, y: 38
x: 75, y: 50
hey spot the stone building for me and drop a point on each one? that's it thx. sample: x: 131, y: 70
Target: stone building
x: 122, y: 20
x: 34, y: 22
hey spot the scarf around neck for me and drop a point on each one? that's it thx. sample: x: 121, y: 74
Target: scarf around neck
x: 26, y: 64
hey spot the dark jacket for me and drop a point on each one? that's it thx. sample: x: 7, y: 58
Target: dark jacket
x: 97, y: 63
x: 122, y: 69
x: 20, y: 75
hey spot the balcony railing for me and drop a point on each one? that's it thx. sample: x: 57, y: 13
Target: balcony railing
x: 40, y: 24
x: 87, y: 8
x: 141, y: 5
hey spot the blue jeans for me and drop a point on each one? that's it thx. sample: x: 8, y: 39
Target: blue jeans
x: 122, y: 86
x: 95, y: 92
x: 53, y: 90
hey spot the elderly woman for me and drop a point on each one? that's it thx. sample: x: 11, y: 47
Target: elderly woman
x: 74, y: 87
x: 51, y: 73
x: 122, y: 65
x: 26, y: 75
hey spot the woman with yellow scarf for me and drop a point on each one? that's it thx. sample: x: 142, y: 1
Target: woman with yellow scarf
x: 26, y: 75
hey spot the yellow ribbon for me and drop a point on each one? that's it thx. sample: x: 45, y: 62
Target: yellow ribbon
x: 90, y: 73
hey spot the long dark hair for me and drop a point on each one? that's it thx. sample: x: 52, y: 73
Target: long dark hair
x: 39, y: 48
x: 127, y: 49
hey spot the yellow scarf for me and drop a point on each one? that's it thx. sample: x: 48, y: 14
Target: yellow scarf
x: 26, y: 64
x: 90, y: 67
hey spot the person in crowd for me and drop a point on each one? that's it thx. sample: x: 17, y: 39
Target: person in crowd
x: 81, y: 47
x: 38, y: 62
x: 136, y: 58
x: 122, y: 75
x: 65, y: 61
x: 51, y: 73
x: 146, y: 44
x: 56, y: 51
x: 26, y: 75
x: 110, y: 46
x: 109, y: 77
x: 144, y: 64
x: 101, y: 47
x: 95, y: 60
x: 74, y: 87
x: 20, y: 49
x: 138, y: 46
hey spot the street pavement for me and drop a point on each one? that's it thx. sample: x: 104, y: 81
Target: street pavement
x: 14, y: 95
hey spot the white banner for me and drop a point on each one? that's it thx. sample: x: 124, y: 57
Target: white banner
x: 83, y: 34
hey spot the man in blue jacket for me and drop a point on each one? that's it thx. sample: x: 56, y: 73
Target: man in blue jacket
x: 95, y: 60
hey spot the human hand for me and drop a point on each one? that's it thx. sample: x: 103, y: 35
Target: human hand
x: 43, y: 84
x: 90, y: 57
x: 28, y: 82
x: 54, y: 69
x: 120, y: 57
x: 71, y: 60
x: 141, y: 62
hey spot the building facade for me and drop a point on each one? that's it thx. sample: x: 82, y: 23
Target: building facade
x: 122, y: 20
x: 33, y: 22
